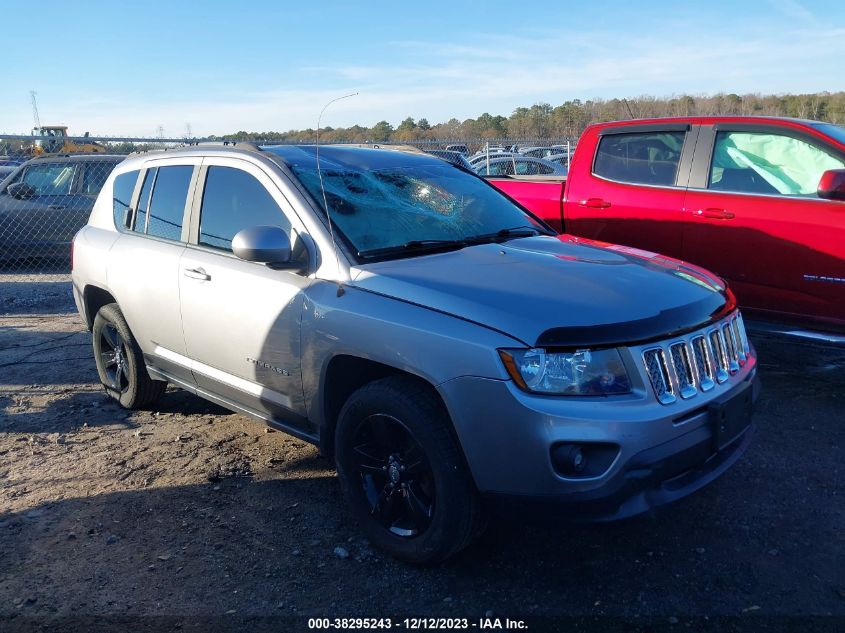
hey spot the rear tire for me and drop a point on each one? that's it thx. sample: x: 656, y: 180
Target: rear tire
x: 120, y: 362
x: 403, y: 473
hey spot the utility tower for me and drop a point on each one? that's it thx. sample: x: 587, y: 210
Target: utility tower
x: 36, y: 118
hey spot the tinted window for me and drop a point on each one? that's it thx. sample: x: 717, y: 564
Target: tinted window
x: 649, y: 158
x: 94, y: 177
x: 123, y: 187
x: 50, y: 180
x: 144, y: 202
x: 502, y: 168
x: 234, y: 200
x: 167, y: 207
x: 515, y: 167
x: 528, y: 168
x: 753, y: 162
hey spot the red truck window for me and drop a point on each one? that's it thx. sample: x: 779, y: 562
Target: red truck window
x: 648, y: 158
x: 765, y: 163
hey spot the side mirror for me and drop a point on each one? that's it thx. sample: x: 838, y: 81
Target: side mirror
x: 21, y: 191
x: 832, y: 185
x: 263, y: 244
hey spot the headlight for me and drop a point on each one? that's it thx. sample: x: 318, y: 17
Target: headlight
x: 579, y: 373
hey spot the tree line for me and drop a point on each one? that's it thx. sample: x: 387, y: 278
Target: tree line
x: 541, y: 120
x: 568, y: 120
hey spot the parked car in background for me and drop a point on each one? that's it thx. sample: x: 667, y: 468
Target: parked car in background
x: 436, y: 335
x: 475, y: 159
x: 759, y: 200
x: 8, y: 161
x: 519, y: 166
x: 45, y: 201
x: 545, y: 152
x: 461, y: 149
x: 560, y: 159
x: 456, y: 158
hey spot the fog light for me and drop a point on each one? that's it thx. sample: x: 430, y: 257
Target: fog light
x: 570, y: 459
x: 583, y: 460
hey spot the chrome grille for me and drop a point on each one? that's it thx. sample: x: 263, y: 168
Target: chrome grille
x: 683, y: 369
x: 717, y: 346
x: 658, y: 374
x: 703, y: 363
x: 741, y: 341
x: 697, y: 362
x: 731, y: 353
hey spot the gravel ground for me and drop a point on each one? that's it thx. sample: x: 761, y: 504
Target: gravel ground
x: 190, y: 510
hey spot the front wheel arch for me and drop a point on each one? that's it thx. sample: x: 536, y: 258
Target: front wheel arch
x: 344, y: 375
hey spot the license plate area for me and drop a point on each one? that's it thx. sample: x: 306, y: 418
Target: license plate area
x: 729, y: 418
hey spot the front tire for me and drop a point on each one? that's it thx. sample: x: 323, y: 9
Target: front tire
x: 402, y: 471
x: 120, y: 362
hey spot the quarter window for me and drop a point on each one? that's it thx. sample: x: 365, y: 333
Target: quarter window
x: 167, y: 206
x: 122, y: 189
x: 234, y: 200
x: 753, y: 162
x: 648, y: 158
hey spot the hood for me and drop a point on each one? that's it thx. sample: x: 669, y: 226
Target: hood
x: 557, y: 291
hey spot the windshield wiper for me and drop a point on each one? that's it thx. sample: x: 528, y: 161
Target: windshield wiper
x: 511, y: 233
x: 432, y: 245
x: 413, y: 245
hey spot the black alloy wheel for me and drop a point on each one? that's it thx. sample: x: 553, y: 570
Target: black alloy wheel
x: 113, y: 358
x: 120, y: 361
x: 403, y: 473
x: 395, y: 475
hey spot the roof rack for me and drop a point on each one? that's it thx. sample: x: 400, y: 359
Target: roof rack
x: 244, y: 145
x: 248, y: 145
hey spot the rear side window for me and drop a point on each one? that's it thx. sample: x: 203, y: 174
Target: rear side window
x: 647, y: 158
x: 94, y: 177
x: 753, y: 162
x: 526, y: 168
x: 516, y: 167
x: 167, y: 206
x: 122, y: 189
x: 234, y: 200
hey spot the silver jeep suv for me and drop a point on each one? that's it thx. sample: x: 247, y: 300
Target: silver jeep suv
x: 441, y: 343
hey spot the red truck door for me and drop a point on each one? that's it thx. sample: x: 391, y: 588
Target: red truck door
x: 753, y: 216
x: 626, y: 185
x: 542, y: 195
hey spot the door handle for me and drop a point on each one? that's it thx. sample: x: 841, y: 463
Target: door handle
x: 197, y: 273
x: 718, y: 214
x: 595, y: 203
x: 56, y: 206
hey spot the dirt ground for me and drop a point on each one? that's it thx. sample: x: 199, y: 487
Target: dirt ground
x: 189, y: 510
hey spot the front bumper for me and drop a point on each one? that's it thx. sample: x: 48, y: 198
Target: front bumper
x: 664, y: 452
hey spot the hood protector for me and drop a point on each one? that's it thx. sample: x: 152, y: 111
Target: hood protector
x: 557, y: 291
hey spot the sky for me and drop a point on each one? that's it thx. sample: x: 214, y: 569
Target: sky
x: 115, y: 68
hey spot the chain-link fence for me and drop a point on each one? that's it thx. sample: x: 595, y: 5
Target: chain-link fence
x: 48, y: 183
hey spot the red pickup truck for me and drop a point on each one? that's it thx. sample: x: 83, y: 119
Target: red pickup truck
x: 758, y: 200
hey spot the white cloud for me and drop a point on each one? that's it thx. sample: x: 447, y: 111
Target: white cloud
x: 495, y: 74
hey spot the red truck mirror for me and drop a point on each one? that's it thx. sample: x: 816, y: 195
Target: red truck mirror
x: 832, y: 185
